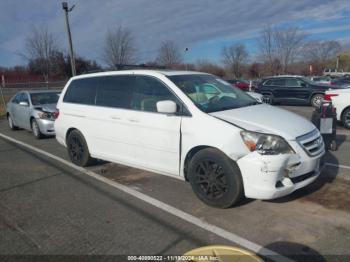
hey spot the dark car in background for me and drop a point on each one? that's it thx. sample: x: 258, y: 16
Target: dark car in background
x: 292, y: 89
x: 342, y: 82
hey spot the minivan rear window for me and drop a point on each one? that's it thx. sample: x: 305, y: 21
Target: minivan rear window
x: 115, y: 91
x: 81, y: 91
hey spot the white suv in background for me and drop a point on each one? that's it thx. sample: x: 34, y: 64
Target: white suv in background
x: 224, y: 143
x: 341, y: 101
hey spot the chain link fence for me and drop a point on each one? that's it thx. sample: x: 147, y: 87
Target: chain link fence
x: 10, y: 89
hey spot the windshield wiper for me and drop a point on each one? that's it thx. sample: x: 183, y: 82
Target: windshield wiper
x: 223, y: 109
x: 253, y: 103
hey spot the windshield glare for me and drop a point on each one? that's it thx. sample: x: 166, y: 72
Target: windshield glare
x: 211, y: 94
x: 44, y: 98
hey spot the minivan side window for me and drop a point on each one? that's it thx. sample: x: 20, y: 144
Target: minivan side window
x: 115, y: 91
x: 148, y: 91
x: 82, y: 91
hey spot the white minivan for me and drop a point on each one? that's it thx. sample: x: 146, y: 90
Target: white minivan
x: 190, y: 125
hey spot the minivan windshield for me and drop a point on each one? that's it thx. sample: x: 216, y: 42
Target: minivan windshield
x: 44, y: 98
x: 210, y: 93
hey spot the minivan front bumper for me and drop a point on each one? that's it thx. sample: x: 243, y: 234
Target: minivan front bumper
x: 274, y: 176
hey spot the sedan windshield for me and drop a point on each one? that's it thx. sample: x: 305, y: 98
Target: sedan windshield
x: 44, y: 98
x: 210, y: 93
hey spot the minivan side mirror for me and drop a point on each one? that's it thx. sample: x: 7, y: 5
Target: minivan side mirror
x: 167, y: 106
x: 23, y: 103
x: 303, y: 84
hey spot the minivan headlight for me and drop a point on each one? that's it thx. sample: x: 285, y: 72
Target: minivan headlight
x: 266, y: 144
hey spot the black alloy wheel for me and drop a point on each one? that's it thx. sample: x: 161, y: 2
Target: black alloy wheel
x: 211, y: 179
x: 78, y: 150
x: 215, y: 178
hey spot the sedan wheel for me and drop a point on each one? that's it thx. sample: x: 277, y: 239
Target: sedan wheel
x: 10, y: 122
x: 316, y: 100
x: 36, y: 130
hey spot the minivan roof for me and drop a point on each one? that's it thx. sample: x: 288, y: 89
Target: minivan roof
x: 141, y: 71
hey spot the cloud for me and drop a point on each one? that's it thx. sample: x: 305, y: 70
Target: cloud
x: 152, y: 21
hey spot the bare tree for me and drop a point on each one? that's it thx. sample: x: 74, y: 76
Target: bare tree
x: 119, y: 47
x: 267, y: 46
x: 320, y: 52
x: 234, y: 56
x: 289, y: 43
x: 209, y: 67
x: 40, y: 49
x: 280, y: 47
x: 169, y: 54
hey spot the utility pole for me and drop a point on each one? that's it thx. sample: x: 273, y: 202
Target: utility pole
x: 185, y: 52
x: 337, y: 65
x: 72, y: 59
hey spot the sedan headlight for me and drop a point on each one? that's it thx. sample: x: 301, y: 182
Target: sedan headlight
x: 266, y: 144
x: 46, y: 115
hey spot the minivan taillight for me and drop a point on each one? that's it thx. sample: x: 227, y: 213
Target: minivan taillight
x: 328, y: 97
x: 56, y: 114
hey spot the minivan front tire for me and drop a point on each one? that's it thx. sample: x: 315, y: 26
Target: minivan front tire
x: 215, y: 178
x: 78, y: 150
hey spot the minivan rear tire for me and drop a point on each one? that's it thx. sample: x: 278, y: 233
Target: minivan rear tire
x: 215, y: 178
x: 78, y: 150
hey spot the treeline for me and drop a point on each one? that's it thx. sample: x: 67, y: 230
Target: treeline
x: 286, y: 50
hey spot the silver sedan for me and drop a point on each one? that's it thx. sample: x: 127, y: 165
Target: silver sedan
x: 33, y: 110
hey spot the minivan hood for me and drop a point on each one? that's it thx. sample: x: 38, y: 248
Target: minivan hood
x: 267, y: 119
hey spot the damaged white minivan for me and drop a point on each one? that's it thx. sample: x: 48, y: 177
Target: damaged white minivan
x: 190, y: 125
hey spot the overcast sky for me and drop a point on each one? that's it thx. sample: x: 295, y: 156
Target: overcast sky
x: 204, y: 26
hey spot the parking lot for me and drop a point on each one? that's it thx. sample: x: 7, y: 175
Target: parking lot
x: 50, y: 207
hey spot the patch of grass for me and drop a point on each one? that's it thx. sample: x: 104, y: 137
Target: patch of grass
x: 2, y: 111
x: 2, y: 106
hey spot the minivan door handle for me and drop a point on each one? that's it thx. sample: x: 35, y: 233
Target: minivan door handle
x: 116, y: 117
x: 133, y: 120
